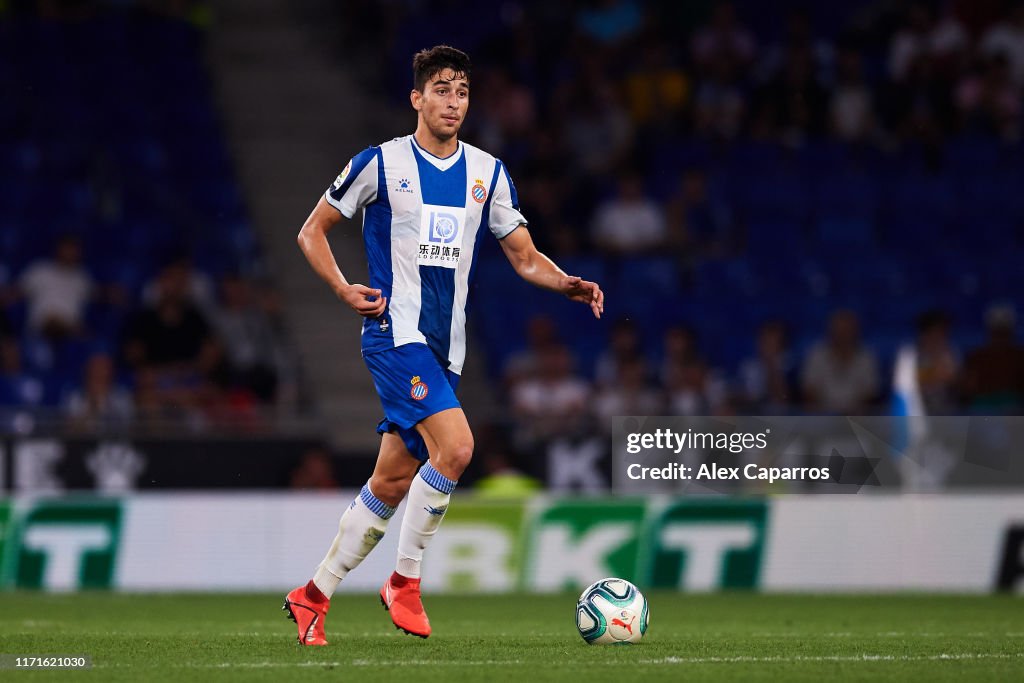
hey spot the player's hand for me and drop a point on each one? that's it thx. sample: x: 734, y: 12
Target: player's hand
x: 363, y: 300
x: 585, y: 292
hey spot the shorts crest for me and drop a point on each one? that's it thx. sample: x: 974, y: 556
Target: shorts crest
x: 419, y: 389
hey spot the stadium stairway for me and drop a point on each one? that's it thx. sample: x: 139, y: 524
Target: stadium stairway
x: 294, y: 115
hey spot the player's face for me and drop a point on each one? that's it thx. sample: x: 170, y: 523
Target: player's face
x: 443, y: 103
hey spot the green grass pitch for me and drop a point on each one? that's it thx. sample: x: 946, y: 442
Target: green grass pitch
x: 724, y: 637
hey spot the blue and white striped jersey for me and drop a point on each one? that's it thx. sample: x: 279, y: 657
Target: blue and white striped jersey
x: 422, y: 229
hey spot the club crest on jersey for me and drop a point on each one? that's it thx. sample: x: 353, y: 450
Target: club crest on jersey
x: 341, y: 176
x: 419, y: 389
x: 478, y: 192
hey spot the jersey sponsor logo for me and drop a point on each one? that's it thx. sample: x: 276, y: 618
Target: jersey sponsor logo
x: 419, y: 389
x: 441, y: 236
x: 478, y: 192
x: 444, y: 227
x: 341, y: 176
x: 404, y: 185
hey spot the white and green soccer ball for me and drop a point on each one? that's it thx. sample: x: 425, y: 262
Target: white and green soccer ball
x: 612, y: 611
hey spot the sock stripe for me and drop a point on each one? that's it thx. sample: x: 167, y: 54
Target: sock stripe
x: 374, y: 504
x: 435, y: 479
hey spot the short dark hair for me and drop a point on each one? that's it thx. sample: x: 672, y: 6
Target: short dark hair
x: 429, y: 63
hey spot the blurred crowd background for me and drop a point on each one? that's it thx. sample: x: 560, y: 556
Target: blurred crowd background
x: 776, y: 198
x: 132, y: 291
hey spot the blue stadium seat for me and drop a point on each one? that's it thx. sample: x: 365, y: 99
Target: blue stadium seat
x: 846, y: 207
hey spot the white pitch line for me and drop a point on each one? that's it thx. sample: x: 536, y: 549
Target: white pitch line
x: 883, y: 634
x: 852, y: 659
x: 702, y: 636
x: 832, y: 658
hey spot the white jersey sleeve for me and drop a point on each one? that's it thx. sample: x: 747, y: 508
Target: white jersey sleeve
x: 356, y: 186
x: 504, y: 211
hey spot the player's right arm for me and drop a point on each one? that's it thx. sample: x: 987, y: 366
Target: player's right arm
x: 312, y: 240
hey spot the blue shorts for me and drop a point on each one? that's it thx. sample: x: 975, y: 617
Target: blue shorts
x: 413, y: 385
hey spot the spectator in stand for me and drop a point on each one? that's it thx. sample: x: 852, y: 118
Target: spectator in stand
x: 799, y: 35
x: 631, y: 222
x: 1007, y: 38
x: 99, y: 401
x: 994, y: 373
x: 840, y: 375
x: 657, y: 90
x: 171, y: 332
x: 503, y: 481
x: 596, y: 130
x: 57, y: 291
x: 686, y: 385
x: 722, y: 36
x: 150, y: 406
x: 698, y: 226
x: 541, y: 335
x: 170, y: 343
x: 253, y: 349
x: 554, y: 402
x: 768, y: 380
x: 509, y: 109
x: 314, y: 472
x: 199, y: 288
x: 679, y: 347
x: 720, y: 101
x: 794, y: 104
x: 690, y: 386
x: 628, y: 394
x: 988, y: 100
x: 18, y: 387
x: 921, y: 106
x: 623, y: 348
x: 938, y: 365
x: 924, y: 37
x: 851, y: 110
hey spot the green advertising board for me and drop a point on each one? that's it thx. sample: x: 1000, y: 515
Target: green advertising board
x: 706, y: 545
x: 59, y: 544
x: 573, y: 542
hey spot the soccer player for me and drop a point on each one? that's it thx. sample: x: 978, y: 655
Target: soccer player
x: 428, y: 199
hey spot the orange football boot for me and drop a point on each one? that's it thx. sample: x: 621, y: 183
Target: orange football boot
x: 308, y: 615
x: 401, y: 597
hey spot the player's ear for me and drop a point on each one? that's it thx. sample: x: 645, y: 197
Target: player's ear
x: 416, y: 97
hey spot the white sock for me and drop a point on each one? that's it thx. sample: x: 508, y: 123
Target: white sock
x: 424, y: 510
x: 360, y: 529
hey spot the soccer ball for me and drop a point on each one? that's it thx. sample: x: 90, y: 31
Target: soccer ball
x: 612, y: 611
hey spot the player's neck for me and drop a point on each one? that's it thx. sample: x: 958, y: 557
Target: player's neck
x: 439, y: 148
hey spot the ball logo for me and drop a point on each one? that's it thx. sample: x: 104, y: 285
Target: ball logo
x: 628, y: 625
x: 419, y: 389
x: 479, y: 192
x: 444, y: 227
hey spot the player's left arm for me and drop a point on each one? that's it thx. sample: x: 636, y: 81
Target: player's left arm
x: 539, y: 270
